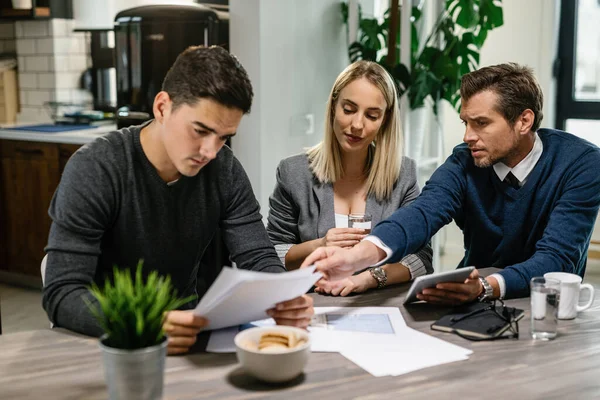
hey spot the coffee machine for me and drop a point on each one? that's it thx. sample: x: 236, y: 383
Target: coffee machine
x: 148, y: 39
x: 101, y: 78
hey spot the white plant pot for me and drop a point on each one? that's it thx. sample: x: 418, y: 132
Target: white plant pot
x: 134, y: 374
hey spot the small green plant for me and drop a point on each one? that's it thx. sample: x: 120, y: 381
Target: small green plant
x: 130, y: 311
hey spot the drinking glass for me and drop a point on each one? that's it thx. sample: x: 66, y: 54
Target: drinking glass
x: 545, y: 296
x: 361, y: 221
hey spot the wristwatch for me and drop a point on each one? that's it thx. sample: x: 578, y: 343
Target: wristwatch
x: 380, y: 276
x: 488, y: 290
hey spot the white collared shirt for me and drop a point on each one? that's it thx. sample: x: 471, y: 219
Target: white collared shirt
x: 521, y: 171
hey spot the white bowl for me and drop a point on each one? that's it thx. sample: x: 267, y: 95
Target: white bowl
x: 272, y: 367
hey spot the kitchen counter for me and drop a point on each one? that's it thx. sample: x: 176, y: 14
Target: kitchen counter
x: 73, y: 137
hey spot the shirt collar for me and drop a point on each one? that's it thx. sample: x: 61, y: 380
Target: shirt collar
x: 522, y: 170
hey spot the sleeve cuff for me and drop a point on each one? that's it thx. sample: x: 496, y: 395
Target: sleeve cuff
x: 377, y: 242
x: 282, y: 250
x: 501, y: 284
x: 415, y: 265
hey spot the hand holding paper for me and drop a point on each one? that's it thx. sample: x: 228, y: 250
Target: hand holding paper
x: 295, y: 312
x: 239, y: 296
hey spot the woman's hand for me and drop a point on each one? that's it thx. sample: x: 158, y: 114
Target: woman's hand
x: 182, y: 328
x: 354, y: 284
x: 343, y: 237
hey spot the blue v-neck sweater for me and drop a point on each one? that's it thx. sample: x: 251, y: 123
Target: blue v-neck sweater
x: 544, y: 226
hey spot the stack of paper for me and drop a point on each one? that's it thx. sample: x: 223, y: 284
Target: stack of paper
x: 374, y: 338
x: 239, y: 296
x: 411, y: 350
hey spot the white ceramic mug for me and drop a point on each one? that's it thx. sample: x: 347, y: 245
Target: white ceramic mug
x: 570, y: 287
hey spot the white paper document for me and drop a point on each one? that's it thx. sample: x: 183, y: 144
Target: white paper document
x: 409, y: 351
x: 240, y: 296
x: 330, y: 328
x: 374, y: 338
x: 333, y: 329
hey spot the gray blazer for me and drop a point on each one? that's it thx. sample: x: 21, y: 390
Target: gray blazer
x: 301, y: 208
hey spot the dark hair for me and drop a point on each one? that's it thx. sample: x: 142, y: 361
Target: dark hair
x: 208, y: 72
x: 516, y: 88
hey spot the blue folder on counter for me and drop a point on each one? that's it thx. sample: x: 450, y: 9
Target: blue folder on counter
x: 51, y: 128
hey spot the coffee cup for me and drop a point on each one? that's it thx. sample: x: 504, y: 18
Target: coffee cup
x: 570, y: 288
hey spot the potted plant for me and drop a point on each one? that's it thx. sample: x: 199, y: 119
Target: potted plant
x: 450, y: 50
x: 134, y: 346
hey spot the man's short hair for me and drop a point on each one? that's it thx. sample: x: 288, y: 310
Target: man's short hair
x: 515, y: 85
x: 208, y: 72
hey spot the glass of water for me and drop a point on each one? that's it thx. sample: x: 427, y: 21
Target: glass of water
x: 545, y: 295
x: 361, y: 221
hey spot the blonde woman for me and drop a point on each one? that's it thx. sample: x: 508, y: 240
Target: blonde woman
x: 357, y: 168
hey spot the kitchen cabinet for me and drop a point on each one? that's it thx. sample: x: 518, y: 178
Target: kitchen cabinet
x: 29, y: 175
x: 40, y: 9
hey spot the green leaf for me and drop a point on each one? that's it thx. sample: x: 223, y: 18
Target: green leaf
x: 401, y: 75
x: 344, y: 10
x: 479, y: 37
x: 490, y: 14
x: 371, y: 33
x: 358, y: 51
x: 464, y: 12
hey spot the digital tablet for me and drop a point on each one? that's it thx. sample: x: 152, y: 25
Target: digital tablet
x: 429, y: 281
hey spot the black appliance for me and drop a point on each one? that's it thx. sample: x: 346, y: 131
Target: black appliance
x: 148, y: 39
x: 100, y: 78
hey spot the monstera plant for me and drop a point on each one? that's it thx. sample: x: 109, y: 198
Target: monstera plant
x: 450, y: 50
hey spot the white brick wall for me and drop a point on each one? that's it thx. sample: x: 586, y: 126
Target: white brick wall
x: 51, y: 59
x: 7, y: 30
x: 33, y: 29
x: 26, y: 46
x: 36, y: 64
x: 28, y: 81
x: 46, y: 81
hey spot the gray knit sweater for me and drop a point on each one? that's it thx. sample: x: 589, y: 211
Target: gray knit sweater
x: 112, y: 208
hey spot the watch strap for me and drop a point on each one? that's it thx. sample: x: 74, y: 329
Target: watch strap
x: 379, y: 275
x: 488, y: 290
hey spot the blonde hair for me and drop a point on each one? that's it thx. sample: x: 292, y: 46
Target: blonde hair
x: 385, y: 157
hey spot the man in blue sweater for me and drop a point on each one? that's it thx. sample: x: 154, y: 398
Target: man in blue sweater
x: 525, y: 199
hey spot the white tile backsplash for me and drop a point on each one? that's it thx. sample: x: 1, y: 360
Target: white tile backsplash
x: 46, y: 81
x: 38, y: 97
x: 67, y: 80
x: 62, y: 95
x: 19, y: 29
x: 78, y: 62
x: 59, y: 63
x: 44, y: 46
x: 35, y: 29
x: 81, y: 96
x: 62, y: 45
x: 28, y: 80
x: 51, y: 60
x: 7, y: 30
x: 37, y: 64
x: 61, y: 27
x: 26, y: 47
x: 31, y: 114
x: 9, y: 46
x: 21, y: 63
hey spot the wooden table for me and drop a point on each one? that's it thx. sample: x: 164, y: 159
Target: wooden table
x: 55, y: 364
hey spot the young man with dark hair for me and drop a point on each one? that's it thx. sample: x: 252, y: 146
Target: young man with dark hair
x: 159, y: 191
x: 525, y: 199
